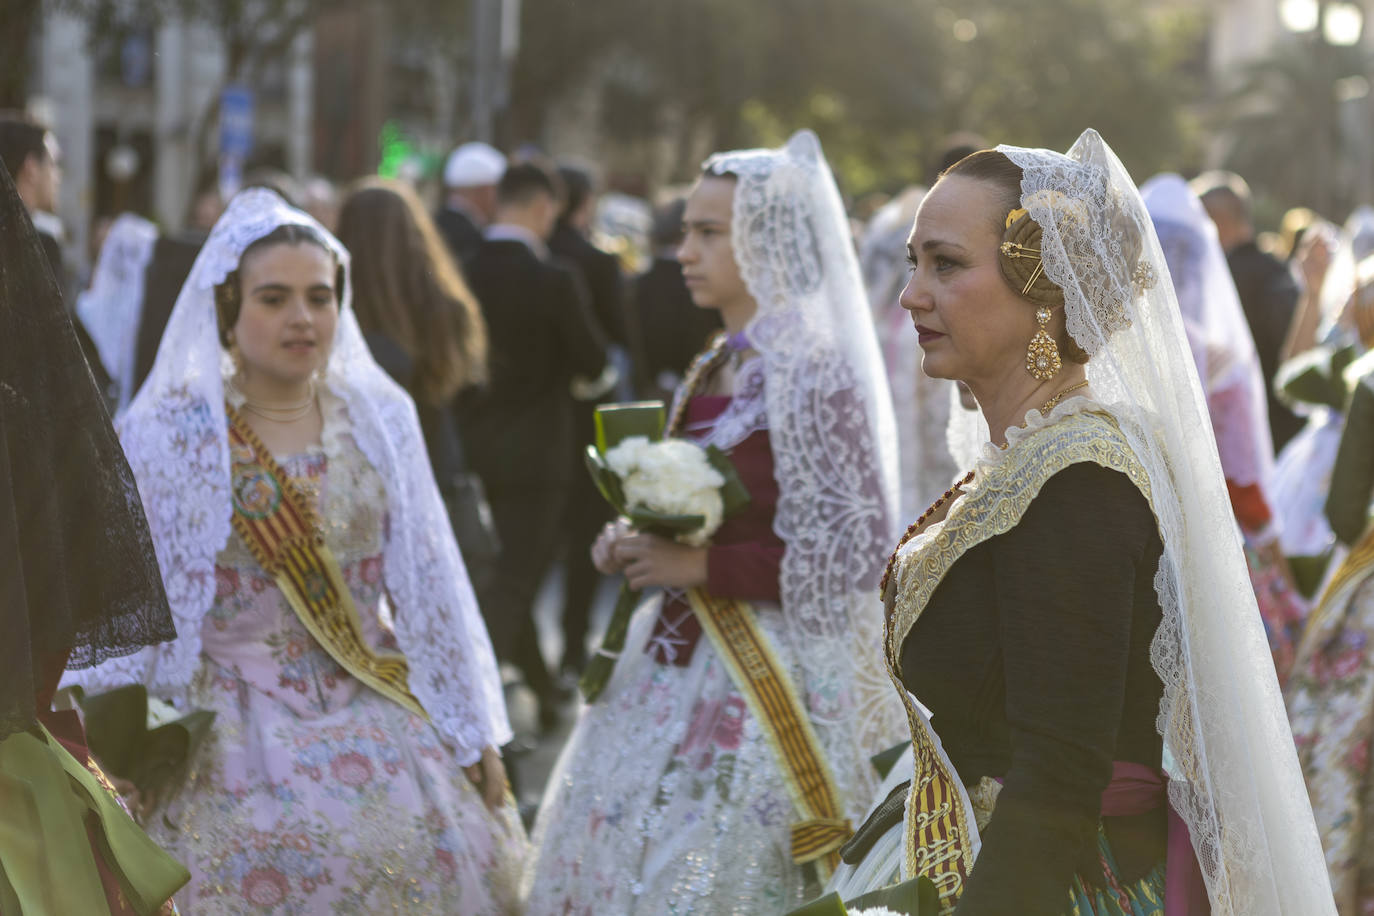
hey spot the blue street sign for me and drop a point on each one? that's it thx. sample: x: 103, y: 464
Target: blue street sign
x: 236, y: 122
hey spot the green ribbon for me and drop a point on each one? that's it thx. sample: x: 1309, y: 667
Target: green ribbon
x: 47, y: 864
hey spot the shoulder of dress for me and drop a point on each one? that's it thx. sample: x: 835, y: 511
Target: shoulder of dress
x: 997, y: 499
x: 1036, y: 456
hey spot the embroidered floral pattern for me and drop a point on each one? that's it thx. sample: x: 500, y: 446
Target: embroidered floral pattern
x: 315, y: 794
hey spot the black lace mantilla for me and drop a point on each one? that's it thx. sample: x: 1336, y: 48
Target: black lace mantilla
x: 77, y: 568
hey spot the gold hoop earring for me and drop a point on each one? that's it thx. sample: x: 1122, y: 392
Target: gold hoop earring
x: 1042, y: 356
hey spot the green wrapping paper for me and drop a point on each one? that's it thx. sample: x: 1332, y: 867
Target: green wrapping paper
x: 46, y: 861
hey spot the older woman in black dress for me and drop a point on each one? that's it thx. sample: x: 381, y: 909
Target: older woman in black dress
x: 1074, y: 616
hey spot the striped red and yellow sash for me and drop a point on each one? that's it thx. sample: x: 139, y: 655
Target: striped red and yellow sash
x: 284, y: 534
x: 821, y: 828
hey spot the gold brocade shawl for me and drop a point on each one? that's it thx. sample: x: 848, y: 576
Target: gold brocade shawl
x: 941, y: 832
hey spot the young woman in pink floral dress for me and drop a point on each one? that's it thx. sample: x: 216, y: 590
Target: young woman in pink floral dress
x: 322, y: 607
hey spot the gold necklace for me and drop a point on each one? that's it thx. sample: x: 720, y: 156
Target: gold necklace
x: 275, y: 414
x: 1050, y: 404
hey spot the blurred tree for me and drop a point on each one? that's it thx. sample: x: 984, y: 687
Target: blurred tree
x: 881, y: 81
x: 19, y: 18
x: 1288, y: 137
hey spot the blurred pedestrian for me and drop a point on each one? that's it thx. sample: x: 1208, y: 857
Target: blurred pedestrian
x: 518, y: 430
x: 1269, y: 293
x: 586, y: 510
x: 425, y: 329
x: 109, y: 308
x: 470, y: 199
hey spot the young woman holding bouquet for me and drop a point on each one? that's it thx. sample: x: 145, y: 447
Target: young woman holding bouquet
x: 322, y: 608
x: 675, y: 793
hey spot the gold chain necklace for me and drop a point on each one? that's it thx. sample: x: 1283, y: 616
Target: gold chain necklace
x: 275, y: 414
x: 1050, y: 404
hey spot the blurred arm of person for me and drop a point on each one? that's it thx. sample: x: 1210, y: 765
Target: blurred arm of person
x: 1314, y: 259
x: 584, y: 343
x: 1359, y: 314
x: 1352, y: 477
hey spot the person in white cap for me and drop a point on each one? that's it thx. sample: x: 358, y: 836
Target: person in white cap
x: 470, y: 178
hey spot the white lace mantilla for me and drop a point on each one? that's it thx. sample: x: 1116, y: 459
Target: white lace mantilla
x: 833, y: 438
x: 176, y: 437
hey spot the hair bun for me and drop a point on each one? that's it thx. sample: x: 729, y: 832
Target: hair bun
x: 1019, y: 258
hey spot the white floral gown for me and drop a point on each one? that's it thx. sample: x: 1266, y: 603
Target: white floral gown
x: 668, y: 798
x: 315, y: 794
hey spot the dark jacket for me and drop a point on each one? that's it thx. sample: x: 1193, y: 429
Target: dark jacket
x: 601, y: 275
x: 1269, y: 295
x: 540, y: 334
x: 459, y: 231
x: 674, y: 328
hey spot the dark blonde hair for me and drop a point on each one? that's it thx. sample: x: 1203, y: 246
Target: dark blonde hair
x: 407, y: 286
x: 996, y: 169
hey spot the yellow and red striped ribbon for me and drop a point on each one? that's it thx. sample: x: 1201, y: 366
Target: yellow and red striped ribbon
x: 280, y: 529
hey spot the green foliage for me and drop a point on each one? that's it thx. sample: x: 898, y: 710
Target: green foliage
x: 1290, y: 137
x: 884, y: 81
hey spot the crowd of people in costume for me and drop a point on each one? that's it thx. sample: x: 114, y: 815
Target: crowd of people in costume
x: 1051, y: 592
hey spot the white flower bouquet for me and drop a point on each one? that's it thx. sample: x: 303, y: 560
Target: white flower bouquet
x: 670, y: 487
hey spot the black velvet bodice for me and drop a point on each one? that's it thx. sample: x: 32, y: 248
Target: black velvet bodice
x: 1033, y: 657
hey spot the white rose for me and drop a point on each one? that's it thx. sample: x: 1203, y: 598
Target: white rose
x: 672, y: 476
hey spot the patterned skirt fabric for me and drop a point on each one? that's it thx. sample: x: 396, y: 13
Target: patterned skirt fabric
x: 1331, y: 707
x: 667, y: 799
x: 1144, y: 897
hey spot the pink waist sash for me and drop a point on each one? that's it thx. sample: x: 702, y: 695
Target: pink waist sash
x: 1137, y: 789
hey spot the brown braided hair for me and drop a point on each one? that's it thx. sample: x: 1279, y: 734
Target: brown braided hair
x: 1023, y: 273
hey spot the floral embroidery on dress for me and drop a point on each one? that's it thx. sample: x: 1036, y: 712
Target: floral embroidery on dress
x: 315, y: 794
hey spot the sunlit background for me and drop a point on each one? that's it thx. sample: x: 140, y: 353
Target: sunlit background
x: 151, y: 99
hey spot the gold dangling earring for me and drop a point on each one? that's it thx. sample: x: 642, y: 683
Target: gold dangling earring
x: 234, y: 355
x: 1042, y: 356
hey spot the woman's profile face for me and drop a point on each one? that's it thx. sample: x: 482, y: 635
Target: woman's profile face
x: 971, y: 326
x: 706, y: 254
x: 289, y: 311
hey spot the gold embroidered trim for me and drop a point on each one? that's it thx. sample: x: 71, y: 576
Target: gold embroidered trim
x: 939, y: 809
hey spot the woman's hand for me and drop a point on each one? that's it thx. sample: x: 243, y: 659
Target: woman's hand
x: 489, y: 776
x: 650, y: 561
x: 603, y: 551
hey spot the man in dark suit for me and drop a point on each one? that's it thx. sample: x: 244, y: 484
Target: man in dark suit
x: 470, y: 177
x: 586, y: 511
x: 1268, y: 290
x: 30, y: 153
x: 674, y: 328
x: 518, y: 431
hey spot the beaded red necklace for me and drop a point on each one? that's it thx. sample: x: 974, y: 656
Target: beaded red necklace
x: 916, y: 525
x: 963, y: 482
